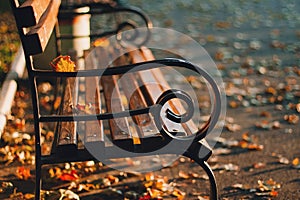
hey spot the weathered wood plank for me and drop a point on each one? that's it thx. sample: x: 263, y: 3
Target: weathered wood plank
x: 30, y: 12
x: 175, y: 104
x: 67, y: 136
x: 154, y: 89
x: 36, y: 40
x: 144, y: 124
x: 119, y: 126
x: 94, y: 134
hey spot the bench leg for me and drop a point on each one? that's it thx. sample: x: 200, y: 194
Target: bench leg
x: 209, y: 172
x: 38, y: 179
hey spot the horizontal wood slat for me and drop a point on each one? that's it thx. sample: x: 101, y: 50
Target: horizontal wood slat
x: 119, y: 127
x: 143, y: 123
x: 36, y: 40
x: 175, y: 104
x: 30, y: 12
x: 154, y: 89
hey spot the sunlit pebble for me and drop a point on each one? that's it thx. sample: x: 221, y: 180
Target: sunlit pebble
x: 90, y: 163
x: 279, y: 107
x: 255, y: 45
x: 288, y: 131
x: 276, y: 125
x: 229, y: 119
x: 284, y: 160
x: 236, y: 59
x: 238, y: 45
x: 233, y: 127
x: 245, y: 103
x: 262, y: 70
x: 277, y: 44
x: 280, y: 86
x: 241, y: 36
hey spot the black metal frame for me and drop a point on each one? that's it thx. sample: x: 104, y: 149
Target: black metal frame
x: 83, y: 155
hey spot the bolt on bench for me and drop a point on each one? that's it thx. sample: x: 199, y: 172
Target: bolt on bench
x: 120, y: 97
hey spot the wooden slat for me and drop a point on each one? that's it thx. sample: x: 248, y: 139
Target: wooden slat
x: 154, y: 90
x: 94, y: 135
x: 175, y: 104
x: 119, y: 126
x: 30, y: 12
x: 67, y: 137
x: 144, y: 123
x: 36, y: 40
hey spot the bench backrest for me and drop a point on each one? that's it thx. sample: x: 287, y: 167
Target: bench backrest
x: 35, y: 20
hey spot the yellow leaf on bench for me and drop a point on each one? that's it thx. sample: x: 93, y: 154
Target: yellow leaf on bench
x: 63, y: 64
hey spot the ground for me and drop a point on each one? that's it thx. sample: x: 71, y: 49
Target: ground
x: 256, y: 48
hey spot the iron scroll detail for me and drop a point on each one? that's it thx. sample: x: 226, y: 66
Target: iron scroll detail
x: 166, y: 96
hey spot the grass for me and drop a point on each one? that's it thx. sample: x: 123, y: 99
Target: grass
x: 9, y: 42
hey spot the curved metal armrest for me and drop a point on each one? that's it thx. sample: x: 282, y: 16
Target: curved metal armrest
x: 165, y: 96
x: 69, y: 11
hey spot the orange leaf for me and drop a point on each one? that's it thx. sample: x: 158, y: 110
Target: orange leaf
x: 273, y: 193
x: 71, y: 176
x: 63, y: 64
x: 179, y: 194
x: 295, y: 162
x: 102, y: 42
x: 183, y: 175
x: 23, y: 173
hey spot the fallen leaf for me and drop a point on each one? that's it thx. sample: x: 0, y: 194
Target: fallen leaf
x: 23, y: 173
x: 183, y: 175
x: 68, y: 194
x: 154, y: 193
x: 226, y: 167
x: 259, y: 165
x: 296, y: 163
x: 112, y: 179
x: 29, y: 196
x: 69, y: 176
x: 63, y: 64
x: 292, y: 119
x: 178, y: 194
x: 284, y: 160
x: 268, y: 185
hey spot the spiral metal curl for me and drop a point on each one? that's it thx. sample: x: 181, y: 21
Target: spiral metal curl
x: 166, y: 96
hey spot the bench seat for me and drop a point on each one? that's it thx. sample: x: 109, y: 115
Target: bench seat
x: 116, y: 93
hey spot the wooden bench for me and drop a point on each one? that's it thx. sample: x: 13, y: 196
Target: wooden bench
x: 101, y: 105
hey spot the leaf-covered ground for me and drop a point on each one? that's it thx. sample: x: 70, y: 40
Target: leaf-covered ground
x: 256, y: 46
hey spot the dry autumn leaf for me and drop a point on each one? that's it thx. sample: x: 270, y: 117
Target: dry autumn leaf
x: 23, y: 173
x: 296, y: 163
x: 69, y: 176
x: 183, y: 175
x: 63, y: 64
x: 101, y: 42
x: 178, y: 194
